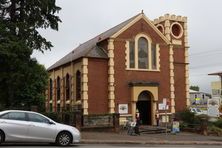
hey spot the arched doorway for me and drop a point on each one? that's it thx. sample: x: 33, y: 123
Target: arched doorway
x: 144, y: 107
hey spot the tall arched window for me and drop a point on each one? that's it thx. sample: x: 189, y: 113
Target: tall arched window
x: 132, y: 54
x: 58, y: 88
x: 143, y: 53
x: 50, y: 89
x: 78, y: 85
x: 67, y: 86
x: 154, y: 56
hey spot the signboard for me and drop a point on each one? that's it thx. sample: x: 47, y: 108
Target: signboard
x: 213, y: 107
x: 123, y: 108
x: 176, y: 127
x: 164, y: 105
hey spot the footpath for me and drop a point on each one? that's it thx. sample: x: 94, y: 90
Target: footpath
x: 182, y: 138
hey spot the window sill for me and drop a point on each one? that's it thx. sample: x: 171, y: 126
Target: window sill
x: 147, y: 70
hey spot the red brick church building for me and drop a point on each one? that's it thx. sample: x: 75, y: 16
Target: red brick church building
x: 128, y: 68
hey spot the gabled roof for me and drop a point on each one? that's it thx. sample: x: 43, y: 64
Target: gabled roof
x: 216, y: 73
x: 90, y: 48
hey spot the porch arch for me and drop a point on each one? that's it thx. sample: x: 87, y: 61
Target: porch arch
x: 136, y: 90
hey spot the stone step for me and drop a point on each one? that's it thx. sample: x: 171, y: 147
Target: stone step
x: 153, y: 129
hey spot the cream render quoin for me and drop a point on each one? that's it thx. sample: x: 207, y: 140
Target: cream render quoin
x: 132, y: 66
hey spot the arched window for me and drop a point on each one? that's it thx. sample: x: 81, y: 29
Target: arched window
x: 143, y: 53
x: 78, y: 85
x: 58, y: 88
x: 132, y: 55
x: 67, y: 86
x: 50, y: 89
x: 154, y: 56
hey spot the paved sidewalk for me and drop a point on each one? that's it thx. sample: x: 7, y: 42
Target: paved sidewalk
x: 123, y: 138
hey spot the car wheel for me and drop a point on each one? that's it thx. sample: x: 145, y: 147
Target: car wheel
x: 64, y: 139
x: 1, y: 137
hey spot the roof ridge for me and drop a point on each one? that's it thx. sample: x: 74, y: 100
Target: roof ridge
x: 84, y: 48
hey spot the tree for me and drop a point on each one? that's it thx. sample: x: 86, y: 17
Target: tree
x: 22, y: 80
x: 196, y: 88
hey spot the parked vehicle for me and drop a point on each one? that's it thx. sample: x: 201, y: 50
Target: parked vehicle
x: 198, y: 111
x: 27, y: 126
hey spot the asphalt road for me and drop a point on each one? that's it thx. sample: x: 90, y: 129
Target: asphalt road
x: 107, y: 146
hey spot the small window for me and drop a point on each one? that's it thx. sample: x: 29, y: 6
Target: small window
x: 154, y: 63
x: 132, y: 55
x: 67, y: 86
x: 37, y: 118
x: 58, y: 88
x: 4, y: 116
x: 14, y: 116
x: 78, y: 85
x: 50, y: 89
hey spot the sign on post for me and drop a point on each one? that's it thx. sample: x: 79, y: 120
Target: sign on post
x: 213, y: 107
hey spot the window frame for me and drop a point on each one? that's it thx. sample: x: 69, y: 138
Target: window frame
x: 150, y: 58
x: 46, y: 119
x: 25, y: 119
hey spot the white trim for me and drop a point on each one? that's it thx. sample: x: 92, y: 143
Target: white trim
x: 127, y: 56
x: 84, y: 77
x: 172, y: 88
x: 181, y: 30
x: 160, y: 25
x: 148, y: 22
x: 143, y: 69
x: 111, y: 78
x: 138, y: 36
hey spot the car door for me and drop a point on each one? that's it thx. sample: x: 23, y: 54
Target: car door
x: 14, y: 124
x: 39, y: 129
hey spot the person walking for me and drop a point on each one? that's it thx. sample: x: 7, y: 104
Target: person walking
x: 137, y: 131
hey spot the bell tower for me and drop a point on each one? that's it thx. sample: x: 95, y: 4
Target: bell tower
x: 174, y: 28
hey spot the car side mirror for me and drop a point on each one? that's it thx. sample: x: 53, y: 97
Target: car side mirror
x: 51, y: 123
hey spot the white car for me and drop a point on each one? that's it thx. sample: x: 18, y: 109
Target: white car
x: 197, y: 111
x: 27, y: 126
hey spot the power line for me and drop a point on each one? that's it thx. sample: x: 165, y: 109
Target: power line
x: 206, y: 66
x: 212, y: 51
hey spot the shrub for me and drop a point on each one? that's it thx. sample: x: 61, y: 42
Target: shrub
x: 216, y: 130
x: 218, y: 123
x: 188, y: 117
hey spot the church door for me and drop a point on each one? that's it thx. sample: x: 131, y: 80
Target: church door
x: 144, y: 107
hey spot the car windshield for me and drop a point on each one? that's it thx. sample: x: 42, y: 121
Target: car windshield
x: 198, y: 110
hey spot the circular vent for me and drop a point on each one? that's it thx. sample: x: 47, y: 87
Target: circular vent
x: 160, y: 28
x: 176, y: 30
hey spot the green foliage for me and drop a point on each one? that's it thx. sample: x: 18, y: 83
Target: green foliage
x: 22, y: 79
x: 218, y: 123
x: 196, y: 88
x: 23, y: 18
x: 215, y: 129
x: 188, y: 117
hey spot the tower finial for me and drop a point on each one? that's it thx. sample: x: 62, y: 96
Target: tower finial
x: 142, y: 11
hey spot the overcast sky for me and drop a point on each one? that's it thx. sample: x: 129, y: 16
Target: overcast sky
x: 84, y: 19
